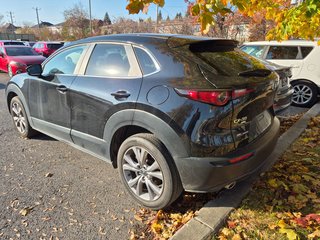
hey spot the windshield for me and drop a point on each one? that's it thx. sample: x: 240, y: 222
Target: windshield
x: 20, y: 51
x: 13, y: 43
x: 255, y: 51
x: 54, y: 46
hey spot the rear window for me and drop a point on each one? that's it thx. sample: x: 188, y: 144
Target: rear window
x: 305, y: 51
x: 20, y: 51
x: 283, y: 52
x: 54, y: 46
x: 227, y: 60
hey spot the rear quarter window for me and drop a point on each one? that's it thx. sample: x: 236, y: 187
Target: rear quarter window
x: 147, y: 64
x: 305, y: 51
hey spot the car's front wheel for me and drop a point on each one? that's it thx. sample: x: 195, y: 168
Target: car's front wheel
x: 305, y: 93
x: 148, y: 172
x: 20, y: 118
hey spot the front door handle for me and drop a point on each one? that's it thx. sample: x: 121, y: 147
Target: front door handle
x: 62, y: 89
x: 120, y: 94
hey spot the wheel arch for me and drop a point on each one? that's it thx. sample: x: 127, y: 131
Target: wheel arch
x: 14, y: 91
x: 117, y: 130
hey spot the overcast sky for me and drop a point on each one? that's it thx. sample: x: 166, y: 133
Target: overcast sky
x: 52, y: 10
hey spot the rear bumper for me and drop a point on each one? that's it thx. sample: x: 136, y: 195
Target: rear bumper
x: 283, y: 99
x: 206, y: 175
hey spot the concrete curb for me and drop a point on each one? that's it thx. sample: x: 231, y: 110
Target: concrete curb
x: 211, y: 216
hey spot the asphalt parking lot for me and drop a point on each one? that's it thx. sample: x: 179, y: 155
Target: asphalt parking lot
x: 63, y: 192
x: 49, y: 190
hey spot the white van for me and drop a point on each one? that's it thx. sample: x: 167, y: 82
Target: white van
x: 304, y: 59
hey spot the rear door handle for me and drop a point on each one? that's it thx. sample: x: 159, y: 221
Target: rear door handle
x: 120, y: 94
x: 62, y: 88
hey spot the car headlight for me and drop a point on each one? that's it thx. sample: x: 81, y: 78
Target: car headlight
x: 18, y: 64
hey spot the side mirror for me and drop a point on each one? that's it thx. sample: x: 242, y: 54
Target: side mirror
x: 1, y: 55
x: 35, y: 70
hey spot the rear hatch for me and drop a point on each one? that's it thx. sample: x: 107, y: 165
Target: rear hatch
x: 250, y: 85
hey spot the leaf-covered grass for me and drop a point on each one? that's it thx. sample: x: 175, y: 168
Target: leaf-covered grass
x: 285, y: 202
x: 164, y: 224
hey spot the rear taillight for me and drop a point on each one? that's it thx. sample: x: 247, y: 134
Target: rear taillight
x: 216, y: 97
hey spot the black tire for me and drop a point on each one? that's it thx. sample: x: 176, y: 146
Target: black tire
x: 305, y: 93
x: 171, y: 187
x: 10, y: 73
x: 20, y: 118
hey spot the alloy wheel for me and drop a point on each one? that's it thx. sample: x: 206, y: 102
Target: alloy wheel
x: 142, y: 173
x: 18, y: 117
x: 302, y: 94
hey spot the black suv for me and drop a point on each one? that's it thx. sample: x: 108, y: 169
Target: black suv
x: 171, y: 112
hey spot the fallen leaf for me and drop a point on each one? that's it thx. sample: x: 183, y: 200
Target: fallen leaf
x: 25, y: 211
x: 49, y: 175
x: 291, y: 235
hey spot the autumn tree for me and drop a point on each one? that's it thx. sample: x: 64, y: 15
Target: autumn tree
x: 124, y: 25
x: 291, y: 21
x: 76, y: 24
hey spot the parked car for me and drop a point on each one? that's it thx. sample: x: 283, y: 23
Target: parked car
x: 47, y: 48
x: 302, y: 56
x: 15, y: 59
x: 285, y: 91
x: 10, y: 42
x: 170, y: 112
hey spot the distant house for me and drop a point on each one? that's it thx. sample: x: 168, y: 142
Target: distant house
x: 43, y: 25
x: 57, y: 28
x: 9, y: 28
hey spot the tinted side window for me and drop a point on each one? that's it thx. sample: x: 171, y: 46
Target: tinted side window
x: 111, y: 60
x: 305, y: 51
x: 65, y: 62
x: 54, y: 46
x: 255, y: 51
x: 146, y: 63
x: 283, y: 52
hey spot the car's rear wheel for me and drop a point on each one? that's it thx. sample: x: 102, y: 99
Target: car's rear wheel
x: 305, y: 93
x: 10, y: 73
x: 148, y: 172
x: 20, y: 118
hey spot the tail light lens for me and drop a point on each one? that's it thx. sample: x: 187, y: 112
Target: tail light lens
x: 216, y: 97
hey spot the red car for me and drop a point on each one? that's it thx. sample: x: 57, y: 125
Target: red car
x: 15, y: 59
x: 47, y: 48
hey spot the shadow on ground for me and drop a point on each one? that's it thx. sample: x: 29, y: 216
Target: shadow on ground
x: 2, y: 86
x: 41, y: 136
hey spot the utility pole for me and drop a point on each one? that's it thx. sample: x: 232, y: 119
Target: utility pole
x: 157, y: 18
x: 37, y: 12
x: 90, y: 16
x: 11, y: 17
